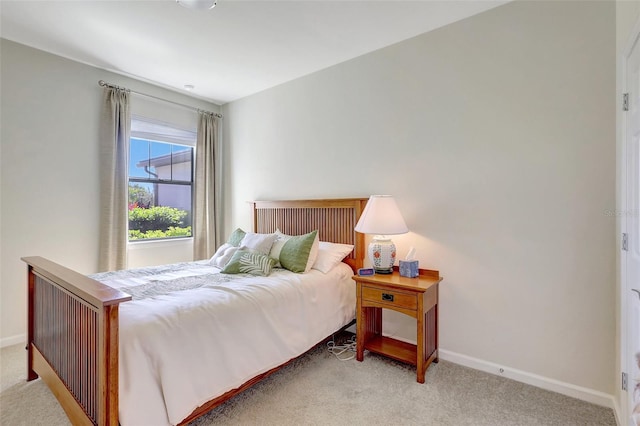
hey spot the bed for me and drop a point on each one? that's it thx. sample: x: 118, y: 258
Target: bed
x: 80, y: 334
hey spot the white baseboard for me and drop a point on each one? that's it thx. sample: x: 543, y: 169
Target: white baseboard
x: 14, y: 340
x: 617, y: 412
x: 585, y: 394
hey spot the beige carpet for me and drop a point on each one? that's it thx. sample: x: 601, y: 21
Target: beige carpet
x: 318, y: 389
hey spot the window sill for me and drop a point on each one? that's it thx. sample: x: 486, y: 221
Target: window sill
x: 179, y: 241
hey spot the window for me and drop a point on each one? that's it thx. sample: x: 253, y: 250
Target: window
x: 161, y: 160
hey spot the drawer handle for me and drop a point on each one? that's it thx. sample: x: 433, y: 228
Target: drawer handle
x: 387, y: 297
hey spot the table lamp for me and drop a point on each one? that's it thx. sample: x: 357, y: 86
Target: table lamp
x: 381, y: 217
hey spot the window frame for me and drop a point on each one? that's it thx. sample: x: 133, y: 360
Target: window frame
x: 173, y: 142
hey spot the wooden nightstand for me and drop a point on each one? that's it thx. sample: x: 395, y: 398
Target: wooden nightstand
x: 416, y: 297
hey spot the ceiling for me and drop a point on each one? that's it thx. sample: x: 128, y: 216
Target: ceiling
x: 234, y: 50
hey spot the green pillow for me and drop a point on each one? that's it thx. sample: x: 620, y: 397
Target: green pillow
x: 247, y: 262
x: 298, y: 254
x: 236, y: 237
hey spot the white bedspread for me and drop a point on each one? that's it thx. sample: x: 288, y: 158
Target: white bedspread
x: 181, y: 349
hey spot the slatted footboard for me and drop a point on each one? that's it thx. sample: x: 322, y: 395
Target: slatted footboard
x: 73, y: 340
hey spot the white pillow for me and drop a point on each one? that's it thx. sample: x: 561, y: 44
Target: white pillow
x: 222, y: 256
x: 260, y: 243
x: 276, y: 248
x: 330, y: 255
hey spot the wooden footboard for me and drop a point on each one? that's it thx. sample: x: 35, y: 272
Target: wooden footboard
x: 72, y: 340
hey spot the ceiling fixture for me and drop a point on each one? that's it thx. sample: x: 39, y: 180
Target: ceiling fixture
x: 197, y: 4
x: 189, y: 87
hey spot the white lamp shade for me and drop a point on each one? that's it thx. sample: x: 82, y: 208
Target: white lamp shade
x: 381, y: 216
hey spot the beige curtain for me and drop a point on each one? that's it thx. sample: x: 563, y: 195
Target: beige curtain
x: 205, y: 218
x: 115, y: 128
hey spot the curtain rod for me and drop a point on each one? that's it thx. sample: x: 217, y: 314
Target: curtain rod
x: 113, y: 86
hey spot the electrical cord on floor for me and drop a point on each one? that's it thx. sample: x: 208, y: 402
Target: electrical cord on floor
x: 345, y: 351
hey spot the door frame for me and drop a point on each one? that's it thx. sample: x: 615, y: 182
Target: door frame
x: 622, y: 227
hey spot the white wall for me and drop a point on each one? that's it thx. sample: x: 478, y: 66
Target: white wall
x: 49, y: 176
x: 496, y: 135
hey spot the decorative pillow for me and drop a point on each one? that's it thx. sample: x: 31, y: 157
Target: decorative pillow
x: 330, y: 255
x: 249, y: 262
x: 299, y: 253
x: 236, y: 237
x: 258, y: 242
x: 223, y: 255
x: 276, y: 248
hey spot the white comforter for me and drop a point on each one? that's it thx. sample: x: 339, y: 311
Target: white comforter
x: 182, y: 349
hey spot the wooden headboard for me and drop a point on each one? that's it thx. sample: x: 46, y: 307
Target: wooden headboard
x: 335, y: 220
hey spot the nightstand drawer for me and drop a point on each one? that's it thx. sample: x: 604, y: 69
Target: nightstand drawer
x: 390, y: 297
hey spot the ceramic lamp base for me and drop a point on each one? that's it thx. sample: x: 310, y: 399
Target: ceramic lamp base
x: 382, y: 253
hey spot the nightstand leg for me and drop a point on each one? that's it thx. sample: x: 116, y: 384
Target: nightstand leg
x: 435, y: 332
x: 360, y: 339
x: 420, y: 346
x: 361, y: 319
x: 369, y: 325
